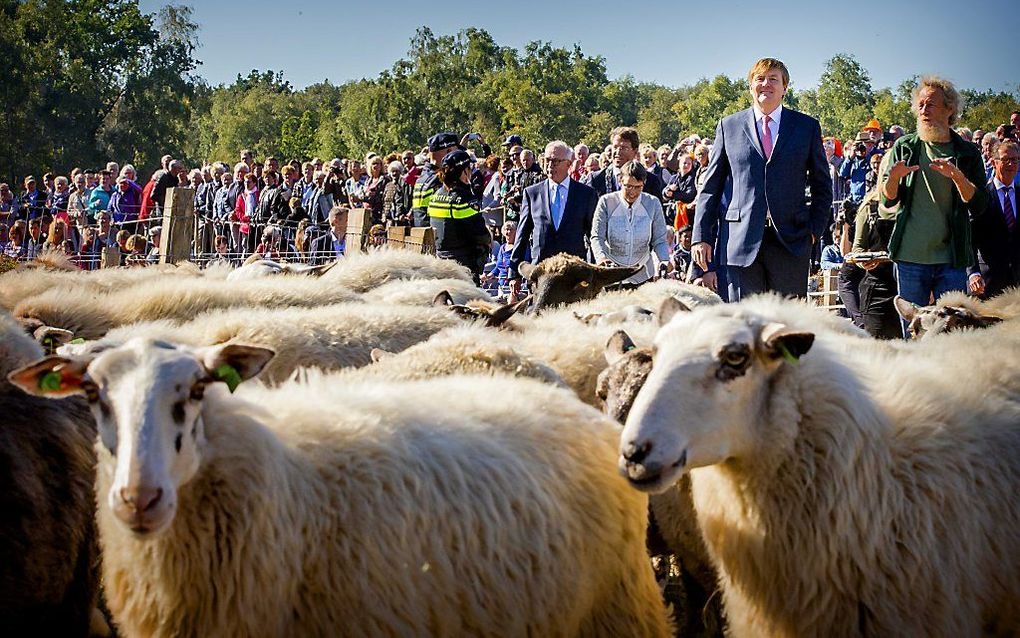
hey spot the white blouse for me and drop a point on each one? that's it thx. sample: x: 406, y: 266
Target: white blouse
x: 628, y: 235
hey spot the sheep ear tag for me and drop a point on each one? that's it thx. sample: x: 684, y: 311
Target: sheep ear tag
x: 789, y: 356
x: 228, y: 374
x: 78, y: 341
x: 50, y: 381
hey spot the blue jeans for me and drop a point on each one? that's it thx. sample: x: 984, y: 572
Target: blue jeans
x: 918, y: 283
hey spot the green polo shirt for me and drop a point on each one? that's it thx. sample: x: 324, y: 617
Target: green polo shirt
x: 926, y: 235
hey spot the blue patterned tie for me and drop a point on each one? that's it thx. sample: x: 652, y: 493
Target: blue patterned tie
x: 558, y: 207
x: 1007, y: 209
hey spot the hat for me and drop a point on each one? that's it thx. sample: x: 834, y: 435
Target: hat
x: 455, y: 160
x: 513, y: 140
x: 872, y: 125
x: 440, y: 141
x: 862, y: 137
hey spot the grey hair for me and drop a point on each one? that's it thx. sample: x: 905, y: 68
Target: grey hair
x: 952, y: 97
x: 530, y: 152
x: 989, y: 136
x: 126, y: 168
x: 554, y: 146
x: 395, y: 166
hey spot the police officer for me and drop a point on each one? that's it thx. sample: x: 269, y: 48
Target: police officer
x: 439, y: 146
x: 453, y: 212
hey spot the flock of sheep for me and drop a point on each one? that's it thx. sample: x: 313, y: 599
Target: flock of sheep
x: 413, y: 459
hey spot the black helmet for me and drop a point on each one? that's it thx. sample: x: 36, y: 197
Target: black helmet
x: 439, y: 141
x: 456, y: 160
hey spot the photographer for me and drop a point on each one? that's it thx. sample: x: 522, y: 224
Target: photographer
x: 335, y: 183
x: 848, y: 281
x: 855, y: 170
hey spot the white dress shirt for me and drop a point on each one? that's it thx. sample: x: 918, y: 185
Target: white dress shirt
x: 774, y: 117
x: 630, y: 234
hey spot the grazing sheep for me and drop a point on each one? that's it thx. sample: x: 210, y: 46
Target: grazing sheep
x: 362, y: 272
x: 48, y: 547
x: 89, y: 315
x: 422, y: 292
x: 327, y: 507
x: 564, y: 279
x: 958, y: 311
x: 487, y: 312
x: 327, y: 337
x: 840, y: 490
x: 269, y: 268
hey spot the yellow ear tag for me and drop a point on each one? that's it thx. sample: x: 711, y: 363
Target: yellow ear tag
x: 50, y: 381
x: 228, y: 374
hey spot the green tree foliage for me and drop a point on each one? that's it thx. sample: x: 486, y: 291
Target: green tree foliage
x: 88, y: 80
x: 78, y: 73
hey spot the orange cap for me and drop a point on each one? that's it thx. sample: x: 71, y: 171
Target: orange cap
x: 872, y: 125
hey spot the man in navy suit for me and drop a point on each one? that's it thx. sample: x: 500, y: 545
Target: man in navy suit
x: 769, y: 155
x: 625, y: 142
x: 556, y: 214
x: 996, y: 231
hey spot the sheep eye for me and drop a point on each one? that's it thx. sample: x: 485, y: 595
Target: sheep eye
x: 733, y: 363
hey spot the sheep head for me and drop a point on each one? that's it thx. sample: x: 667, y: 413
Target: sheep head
x: 927, y: 321
x: 619, y: 384
x: 706, y: 393
x: 564, y: 279
x: 490, y: 315
x: 146, y: 397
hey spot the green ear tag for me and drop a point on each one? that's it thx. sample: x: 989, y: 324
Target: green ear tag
x: 50, y: 381
x: 787, y: 354
x: 77, y: 341
x: 629, y: 348
x: 228, y: 374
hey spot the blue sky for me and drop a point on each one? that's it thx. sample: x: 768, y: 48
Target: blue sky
x: 973, y: 43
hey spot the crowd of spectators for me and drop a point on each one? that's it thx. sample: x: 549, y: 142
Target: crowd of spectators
x: 647, y: 193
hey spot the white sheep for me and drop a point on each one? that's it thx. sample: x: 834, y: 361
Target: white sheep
x: 90, y: 315
x: 326, y: 337
x: 841, y: 490
x: 959, y: 311
x: 268, y: 268
x: 22, y: 283
x: 49, y: 580
x: 362, y: 272
x: 422, y: 292
x: 328, y: 508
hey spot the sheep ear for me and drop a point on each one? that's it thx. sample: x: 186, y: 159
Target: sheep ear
x: 961, y: 317
x: 606, y: 275
x: 318, y: 271
x: 589, y: 319
x: 781, y: 341
x: 233, y: 363
x: 52, y: 338
x: 669, y: 308
x: 53, y: 377
x: 527, y: 270
x: 906, y: 309
x: 503, y: 313
x: 443, y: 299
x: 617, y: 346
x: 378, y: 354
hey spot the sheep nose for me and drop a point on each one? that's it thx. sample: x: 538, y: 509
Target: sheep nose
x: 635, y: 453
x: 141, y: 499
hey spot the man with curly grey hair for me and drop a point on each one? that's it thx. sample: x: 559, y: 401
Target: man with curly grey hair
x: 933, y: 184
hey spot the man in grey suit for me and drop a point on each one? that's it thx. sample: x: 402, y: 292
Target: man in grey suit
x: 767, y: 156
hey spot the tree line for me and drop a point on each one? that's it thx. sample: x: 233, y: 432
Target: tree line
x: 89, y: 80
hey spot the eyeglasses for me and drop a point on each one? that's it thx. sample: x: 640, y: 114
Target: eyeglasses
x: 556, y: 160
x: 1008, y: 161
x: 633, y: 187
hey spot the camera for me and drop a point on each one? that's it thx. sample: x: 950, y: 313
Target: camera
x: 860, y: 147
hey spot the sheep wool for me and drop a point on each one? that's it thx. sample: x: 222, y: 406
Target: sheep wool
x: 362, y: 272
x: 345, y: 512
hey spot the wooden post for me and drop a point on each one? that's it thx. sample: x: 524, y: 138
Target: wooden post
x: 178, y: 226
x: 396, y: 236
x: 359, y: 222
x: 422, y: 240
x: 110, y: 257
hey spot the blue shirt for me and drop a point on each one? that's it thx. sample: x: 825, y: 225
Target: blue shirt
x: 856, y: 170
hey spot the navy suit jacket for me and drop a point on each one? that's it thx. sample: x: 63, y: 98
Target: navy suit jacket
x: 653, y: 183
x: 536, y: 229
x: 760, y: 189
x: 998, y: 251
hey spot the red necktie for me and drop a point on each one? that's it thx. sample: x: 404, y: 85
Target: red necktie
x: 766, y: 137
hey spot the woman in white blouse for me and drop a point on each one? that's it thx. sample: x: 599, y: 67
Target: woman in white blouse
x: 629, y: 227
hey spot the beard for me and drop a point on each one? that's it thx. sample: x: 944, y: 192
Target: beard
x: 932, y: 132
